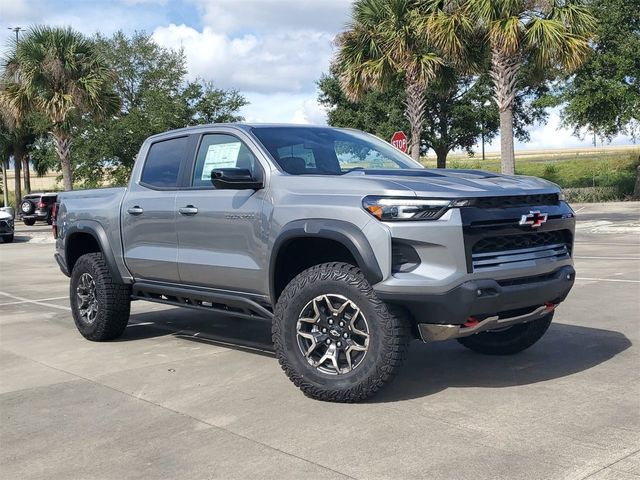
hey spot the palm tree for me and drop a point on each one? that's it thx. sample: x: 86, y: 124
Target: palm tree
x: 387, y: 39
x: 59, y: 73
x: 547, y: 33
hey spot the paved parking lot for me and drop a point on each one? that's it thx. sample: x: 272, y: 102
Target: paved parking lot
x: 188, y: 395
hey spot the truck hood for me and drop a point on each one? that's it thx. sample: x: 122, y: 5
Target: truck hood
x: 455, y: 183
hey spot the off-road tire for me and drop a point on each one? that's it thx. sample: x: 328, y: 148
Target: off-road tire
x: 390, y: 334
x: 29, y: 221
x: 7, y: 238
x: 113, y: 299
x: 512, y: 340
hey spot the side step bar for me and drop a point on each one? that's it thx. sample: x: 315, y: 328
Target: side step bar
x: 431, y: 332
x: 226, y: 303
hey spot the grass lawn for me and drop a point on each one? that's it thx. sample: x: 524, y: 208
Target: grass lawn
x: 586, y: 175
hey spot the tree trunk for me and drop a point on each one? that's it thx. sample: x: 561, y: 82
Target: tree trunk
x: 636, y: 189
x: 63, y: 149
x: 504, y: 74
x: 507, y: 155
x: 26, y: 173
x: 441, y: 156
x: 415, y: 106
x: 5, y: 185
x: 18, y: 153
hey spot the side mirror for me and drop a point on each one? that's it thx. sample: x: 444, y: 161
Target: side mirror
x: 234, y: 179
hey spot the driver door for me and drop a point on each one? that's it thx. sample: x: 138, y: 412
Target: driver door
x: 221, y: 238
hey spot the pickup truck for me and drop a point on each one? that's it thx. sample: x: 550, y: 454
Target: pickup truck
x: 346, y: 245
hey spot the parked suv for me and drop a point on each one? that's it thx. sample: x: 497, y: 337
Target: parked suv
x: 37, y: 207
x: 346, y: 245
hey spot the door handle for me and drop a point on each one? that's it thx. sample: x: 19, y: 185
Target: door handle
x: 135, y: 210
x: 188, y: 210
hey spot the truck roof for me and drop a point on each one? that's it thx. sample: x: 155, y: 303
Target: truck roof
x: 241, y: 126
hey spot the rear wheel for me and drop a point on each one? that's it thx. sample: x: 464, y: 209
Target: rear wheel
x: 510, y: 340
x: 334, y: 338
x: 29, y: 221
x: 99, y: 304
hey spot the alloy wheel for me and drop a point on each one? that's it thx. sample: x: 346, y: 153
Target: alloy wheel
x: 332, y: 334
x: 86, y: 298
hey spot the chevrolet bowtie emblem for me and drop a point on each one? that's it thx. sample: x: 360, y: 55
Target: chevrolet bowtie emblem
x: 534, y: 219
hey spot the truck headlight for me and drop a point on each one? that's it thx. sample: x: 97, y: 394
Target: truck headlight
x: 404, y: 209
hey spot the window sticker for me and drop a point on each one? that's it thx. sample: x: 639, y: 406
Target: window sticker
x: 223, y: 155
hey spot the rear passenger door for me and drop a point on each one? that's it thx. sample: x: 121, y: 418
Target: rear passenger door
x: 149, y: 210
x: 220, y: 232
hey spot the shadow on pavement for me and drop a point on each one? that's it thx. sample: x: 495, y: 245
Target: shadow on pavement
x: 21, y: 238
x: 564, y: 350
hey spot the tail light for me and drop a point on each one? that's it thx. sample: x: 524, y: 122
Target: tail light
x: 54, y: 215
x: 41, y: 205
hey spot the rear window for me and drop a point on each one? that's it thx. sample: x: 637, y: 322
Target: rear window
x: 163, y: 162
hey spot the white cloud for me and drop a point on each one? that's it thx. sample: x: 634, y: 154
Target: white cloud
x: 283, y: 107
x: 282, y: 61
x: 310, y: 112
x: 553, y: 135
x: 231, y: 16
x: 14, y: 9
x: 144, y: 2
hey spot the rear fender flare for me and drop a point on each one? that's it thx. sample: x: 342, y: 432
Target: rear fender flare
x: 97, y: 231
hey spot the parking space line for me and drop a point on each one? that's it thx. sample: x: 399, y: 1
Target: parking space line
x: 621, y: 280
x: 36, y: 302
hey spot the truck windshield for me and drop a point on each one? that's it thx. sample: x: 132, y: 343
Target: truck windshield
x: 329, y: 151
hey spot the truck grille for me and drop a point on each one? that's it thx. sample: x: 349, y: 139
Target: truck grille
x: 517, y: 201
x: 496, y: 252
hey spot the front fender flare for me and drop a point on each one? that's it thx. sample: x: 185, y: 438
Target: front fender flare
x: 340, y: 231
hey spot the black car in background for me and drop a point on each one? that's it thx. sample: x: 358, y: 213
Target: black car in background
x: 6, y: 225
x: 37, y: 207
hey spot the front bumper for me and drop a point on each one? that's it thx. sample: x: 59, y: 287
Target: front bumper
x: 5, y: 228
x: 481, y: 299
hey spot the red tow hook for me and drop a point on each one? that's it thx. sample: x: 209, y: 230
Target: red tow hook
x: 550, y: 306
x: 472, y: 322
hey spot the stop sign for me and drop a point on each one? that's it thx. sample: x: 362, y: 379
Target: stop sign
x: 399, y: 140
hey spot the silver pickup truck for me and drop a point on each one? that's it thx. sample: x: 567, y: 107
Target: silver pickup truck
x: 350, y: 248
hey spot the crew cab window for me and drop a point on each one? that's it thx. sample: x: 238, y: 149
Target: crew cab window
x: 163, y: 161
x: 222, y: 151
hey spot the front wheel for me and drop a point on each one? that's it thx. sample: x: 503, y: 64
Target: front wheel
x: 100, y: 305
x: 510, y: 340
x: 7, y: 238
x: 334, y: 338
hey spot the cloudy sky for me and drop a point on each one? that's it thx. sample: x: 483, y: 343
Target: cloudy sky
x: 273, y: 51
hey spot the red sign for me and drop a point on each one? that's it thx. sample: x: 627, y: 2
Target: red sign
x: 399, y: 140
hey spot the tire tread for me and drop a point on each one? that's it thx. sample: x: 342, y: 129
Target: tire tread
x: 396, y: 330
